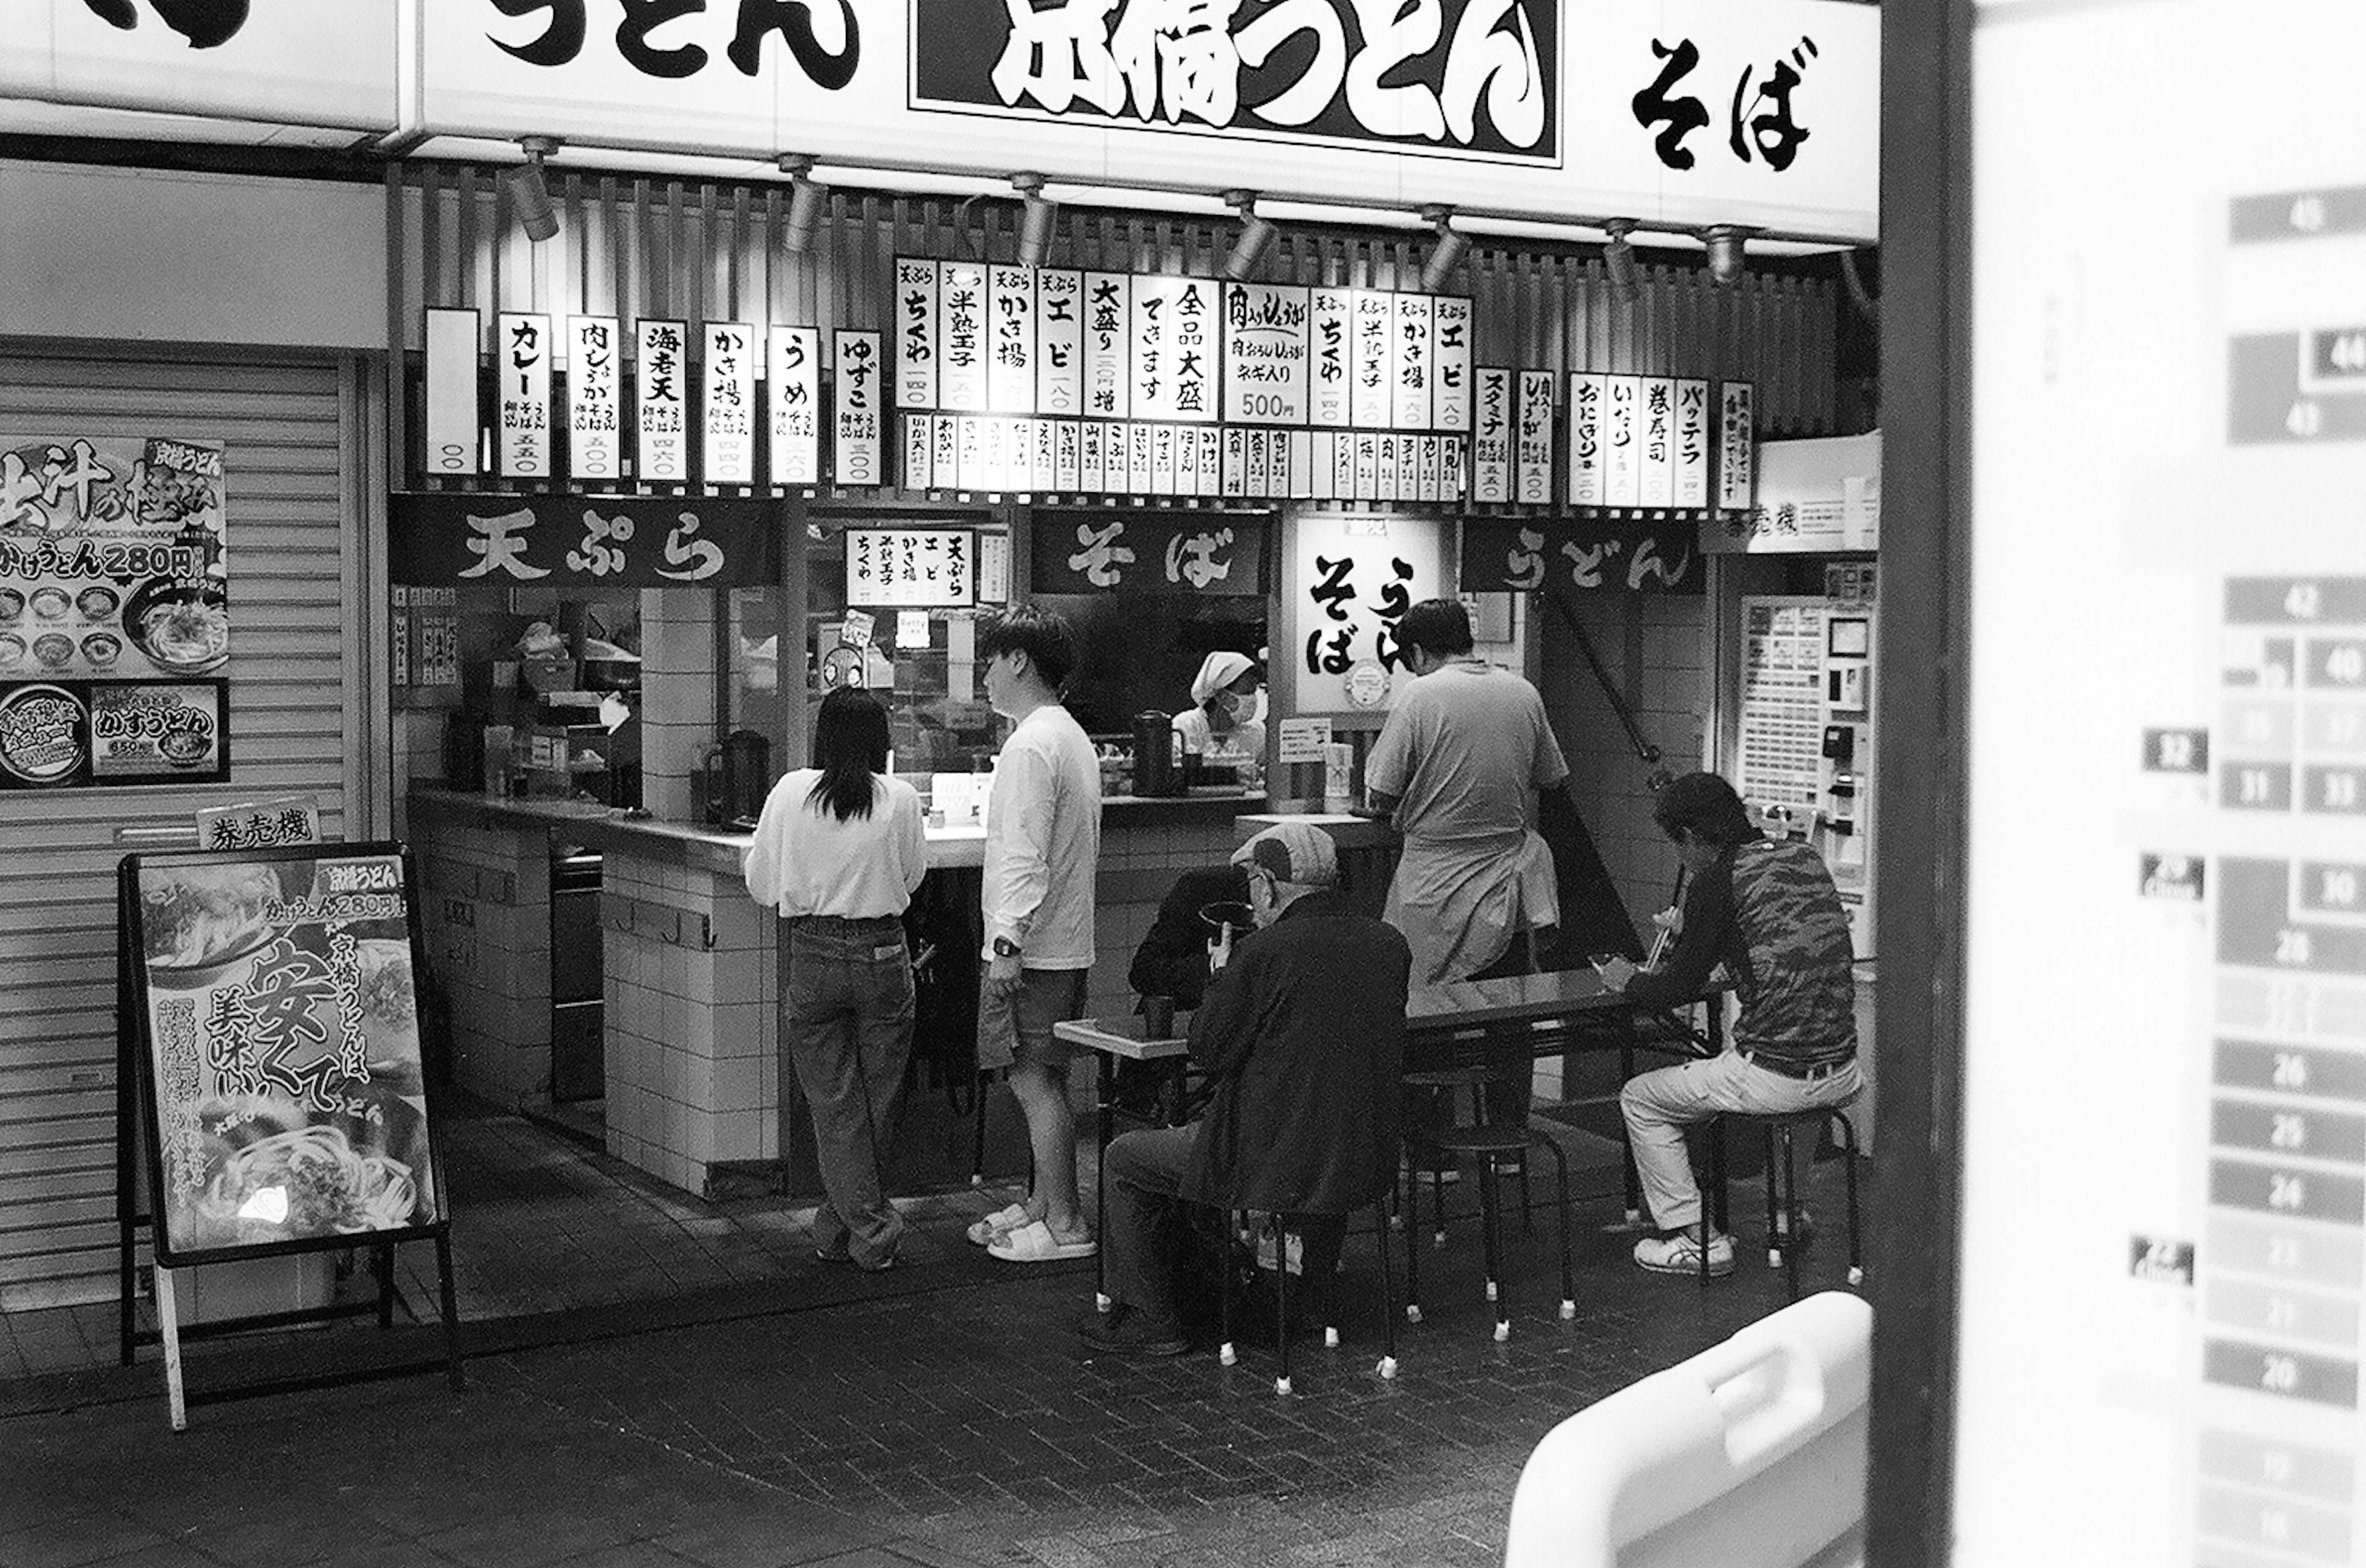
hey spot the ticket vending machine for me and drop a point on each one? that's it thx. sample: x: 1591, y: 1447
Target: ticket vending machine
x: 1804, y: 742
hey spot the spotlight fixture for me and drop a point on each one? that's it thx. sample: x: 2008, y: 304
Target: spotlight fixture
x: 1726, y: 244
x: 806, y: 200
x: 1452, y: 246
x: 1618, y: 258
x: 1257, y: 236
x: 1035, y: 220
x: 530, y: 194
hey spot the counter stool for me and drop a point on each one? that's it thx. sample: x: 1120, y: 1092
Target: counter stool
x: 1280, y: 1227
x: 1784, y: 1239
x: 1488, y: 1143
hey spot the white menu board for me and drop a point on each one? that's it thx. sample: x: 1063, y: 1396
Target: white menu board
x: 1265, y: 354
x: 1622, y: 441
x: 594, y: 382
x: 1330, y: 344
x: 1690, y: 447
x: 1736, y: 448
x: 728, y: 411
x: 1588, y: 396
x: 1657, y: 453
x: 916, y: 326
x: 2169, y: 469
x: 1010, y: 339
x: 660, y: 376
x: 1408, y: 375
x: 962, y: 330
x: 1109, y: 318
x: 1532, y: 446
x: 522, y: 352
x: 794, y: 374
x: 452, y: 431
x: 1060, y: 343
x: 857, y: 449
x: 1449, y: 363
x: 1351, y: 578
x: 911, y: 567
x: 1491, y: 435
x: 1371, y: 365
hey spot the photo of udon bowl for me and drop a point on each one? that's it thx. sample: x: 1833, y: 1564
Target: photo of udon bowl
x: 185, y: 630
x: 95, y: 603
x: 12, y: 603
x: 263, y: 1181
x: 50, y: 603
x: 196, y: 922
x: 53, y: 648
x: 102, y: 648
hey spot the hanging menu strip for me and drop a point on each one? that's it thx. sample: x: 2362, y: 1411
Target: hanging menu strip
x: 594, y: 449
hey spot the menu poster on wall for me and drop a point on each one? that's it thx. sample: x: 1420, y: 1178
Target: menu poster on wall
x: 1449, y: 363
x: 1622, y: 440
x: 728, y: 411
x: 1371, y: 367
x: 911, y: 568
x: 914, y: 312
x: 1010, y: 339
x: 1355, y: 576
x: 112, y: 559
x: 1491, y: 437
x: 1330, y: 357
x: 1265, y: 354
x: 919, y: 471
x: 1532, y: 452
x: 451, y: 432
x: 796, y: 376
x: 594, y: 421
x: 1167, y: 380
x: 856, y: 447
x: 1737, y: 450
x: 944, y: 449
x: 1659, y: 452
x: 281, y: 1068
x: 1690, y: 447
x: 63, y: 734
x: 1109, y: 317
x: 1409, y: 373
x: 522, y: 363
x: 1059, y: 343
x: 1587, y: 395
x: 661, y: 381
x: 961, y: 337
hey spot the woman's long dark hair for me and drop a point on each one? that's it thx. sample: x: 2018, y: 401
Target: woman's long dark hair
x: 850, y: 745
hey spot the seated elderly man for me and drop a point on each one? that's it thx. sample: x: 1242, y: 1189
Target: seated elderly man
x: 1769, y: 913
x: 1302, y: 1035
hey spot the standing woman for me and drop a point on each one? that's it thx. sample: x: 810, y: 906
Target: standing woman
x: 839, y: 852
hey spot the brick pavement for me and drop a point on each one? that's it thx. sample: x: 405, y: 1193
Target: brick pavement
x: 957, y: 1422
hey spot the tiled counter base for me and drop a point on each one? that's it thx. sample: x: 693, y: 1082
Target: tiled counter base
x: 486, y: 919
x: 691, y: 978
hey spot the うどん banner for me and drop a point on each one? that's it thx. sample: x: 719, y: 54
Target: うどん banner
x: 281, y: 1062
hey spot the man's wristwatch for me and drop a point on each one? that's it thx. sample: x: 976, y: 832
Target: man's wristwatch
x: 1005, y: 948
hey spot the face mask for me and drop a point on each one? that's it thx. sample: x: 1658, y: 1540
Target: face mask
x: 1257, y: 708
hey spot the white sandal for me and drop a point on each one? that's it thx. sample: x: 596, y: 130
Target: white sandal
x: 1034, y: 1243
x: 1000, y: 1222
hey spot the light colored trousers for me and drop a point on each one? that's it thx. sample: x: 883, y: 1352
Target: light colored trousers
x: 1659, y: 1105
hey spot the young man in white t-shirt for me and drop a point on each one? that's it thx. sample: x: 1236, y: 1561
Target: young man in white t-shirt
x: 1042, y: 846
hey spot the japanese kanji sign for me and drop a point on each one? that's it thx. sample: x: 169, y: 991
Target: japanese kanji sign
x: 1692, y: 443
x: 796, y: 376
x: 1265, y: 354
x: 1532, y: 446
x: 1010, y: 340
x: 617, y: 541
x: 1622, y: 465
x: 277, y: 1014
x: 522, y: 353
x: 916, y: 323
x: 1736, y: 446
x: 65, y: 734
x: 661, y: 379
x: 726, y: 452
x: 857, y: 445
x: 1491, y: 437
x: 594, y: 405
x: 1565, y: 556
x: 1205, y: 553
x: 1588, y: 396
x: 911, y: 568
x: 1351, y: 580
x: 962, y: 342
x: 1059, y: 343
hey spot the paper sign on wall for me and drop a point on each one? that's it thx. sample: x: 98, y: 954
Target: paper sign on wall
x: 1491, y: 435
x: 796, y: 405
x: 728, y: 411
x: 1060, y: 343
x: 521, y: 363
x: 1303, y: 739
x: 1330, y: 357
x: 1409, y: 374
x: 660, y: 376
x: 1109, y: 318
x: 594, y: 425
x: 1265, y: 354
x: 856, y: 444
x: 1532, y: 450
x: 1449, y: 363
x: 961, y: 337
x: 1587, y: 394
x: 1691, y: 444
x: 1737, y: 456
x: 452, y: 438
x: 1371, y: 361
x: 915, y: 310
x: 1622, y: 463
x: 1658, y: 446
x: 1010, y: 340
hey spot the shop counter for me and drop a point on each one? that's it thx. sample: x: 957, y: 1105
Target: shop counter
x: 691, y: 973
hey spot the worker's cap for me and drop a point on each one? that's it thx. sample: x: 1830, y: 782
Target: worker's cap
x: 1218, y: 671
x: 1293, y: 851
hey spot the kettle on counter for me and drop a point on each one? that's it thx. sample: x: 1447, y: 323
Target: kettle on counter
x: 1154, y: 772
x: 734, y: 777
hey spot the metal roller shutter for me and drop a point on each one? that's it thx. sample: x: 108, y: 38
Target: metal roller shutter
x: 292, y: 533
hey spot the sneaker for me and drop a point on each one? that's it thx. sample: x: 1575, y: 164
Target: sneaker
x: 1125, y: 1331
x: 1680, y: 1254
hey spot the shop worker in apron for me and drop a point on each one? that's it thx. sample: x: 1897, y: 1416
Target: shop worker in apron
x: 1769, y: 913
x: 1227, y: 718
x: 1468, y: 767
x: 839, y: 851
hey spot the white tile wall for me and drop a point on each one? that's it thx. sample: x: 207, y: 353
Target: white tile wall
x: 496, y: 972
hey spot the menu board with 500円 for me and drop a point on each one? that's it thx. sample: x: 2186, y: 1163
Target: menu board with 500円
x: 286, y: 1103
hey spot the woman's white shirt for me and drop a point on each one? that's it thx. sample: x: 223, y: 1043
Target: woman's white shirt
x: 1201, y: 740
x: 806, y: 862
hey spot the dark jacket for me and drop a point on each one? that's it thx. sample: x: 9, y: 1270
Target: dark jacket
x: 1173, y: 958
x: 1303, y: 1033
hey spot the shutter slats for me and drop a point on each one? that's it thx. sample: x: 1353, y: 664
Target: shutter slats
x: 281, y: 423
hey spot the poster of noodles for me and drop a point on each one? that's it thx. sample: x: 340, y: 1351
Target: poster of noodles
x: 111, y: 559
x: 287, y: 1106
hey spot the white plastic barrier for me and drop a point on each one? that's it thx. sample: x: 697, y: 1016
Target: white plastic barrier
x: 1749, y: 1455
